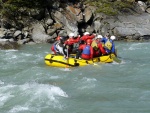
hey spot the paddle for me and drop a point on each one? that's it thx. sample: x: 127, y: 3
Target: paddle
x: 116, y: 59
x: 67, y: 57
x: 94, y: 63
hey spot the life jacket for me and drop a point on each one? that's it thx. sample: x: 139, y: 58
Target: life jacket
x: 86, y: 50
x: 56, y: 47
x: 94, y: 45
x: 108, y: 45
x: 102, y: 44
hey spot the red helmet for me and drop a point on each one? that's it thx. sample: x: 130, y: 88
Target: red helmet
x: 89, y: 41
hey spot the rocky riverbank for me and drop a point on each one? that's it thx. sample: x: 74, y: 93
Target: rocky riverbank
x: 44, y: 25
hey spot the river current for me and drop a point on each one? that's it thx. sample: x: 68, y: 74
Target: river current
x: 27, y: 85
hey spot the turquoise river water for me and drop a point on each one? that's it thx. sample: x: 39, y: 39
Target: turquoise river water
x: 27, y: 85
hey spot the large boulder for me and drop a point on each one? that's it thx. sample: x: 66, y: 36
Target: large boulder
x: 148, y: 9
x: 142, y: 5
x: 87, y: 14
x: 76, y: 12
x: 8, y: 44
x: 2, y: 32
x: 130, y: 24
x: 68, y: 20
x: 38, y: 34
x: 96, y: 26
x: 49, y: 21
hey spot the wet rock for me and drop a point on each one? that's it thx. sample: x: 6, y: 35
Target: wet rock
x: 7, y: 44
x: 76, y: 12
x: 38, y: 34
x: 3, y: 32
x: 87, y: 14
x: 49, y: 22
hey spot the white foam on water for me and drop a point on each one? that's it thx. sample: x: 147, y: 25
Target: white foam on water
x: 51, y: 91
x: 5, y: 94
x: 87, y: 87
x: 43, y: 94
x: 65, y: 69
x: 9, y: 54
x: 48, y: 52
x: 136, y: 46
x: 11, y: 59
x: 89, y: 79
x: 18, y: 109
x: 87, y: 83
x: 1, y: 83
x: 54, y: 77
x: 14, y: 57
x: 26, y: 54
x: 7, y: 87
x: 33, y: 94
x: 10, y: 50
x: 39, y: 89
x: 116, y: 63
x: 4, y: 98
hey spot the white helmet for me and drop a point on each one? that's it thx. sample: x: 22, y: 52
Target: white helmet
x: 71, y: 35
x: 99, y: 36
x: 86, y: 33
x: 112, y: 37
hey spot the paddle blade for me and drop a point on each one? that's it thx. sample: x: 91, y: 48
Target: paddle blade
x: 116, y: 59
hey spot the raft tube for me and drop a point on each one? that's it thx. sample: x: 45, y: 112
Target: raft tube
x: 59, y: 61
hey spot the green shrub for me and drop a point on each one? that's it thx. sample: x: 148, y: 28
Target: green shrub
x: 11, y: 7
x: 107, y: 7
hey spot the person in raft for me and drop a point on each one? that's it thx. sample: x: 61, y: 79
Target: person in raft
x: 109, y: 44
x: 71, y: 41
x: 53, y: 47
x: 113, y: 50
x: 86, y: 36
x: 85, y: 50
x: 59, y: 47
x: 98, y: 46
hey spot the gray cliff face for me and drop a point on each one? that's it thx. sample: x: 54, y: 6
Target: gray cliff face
x: 43, y: 25
x: 134, y: 24
x: 131, y: 25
